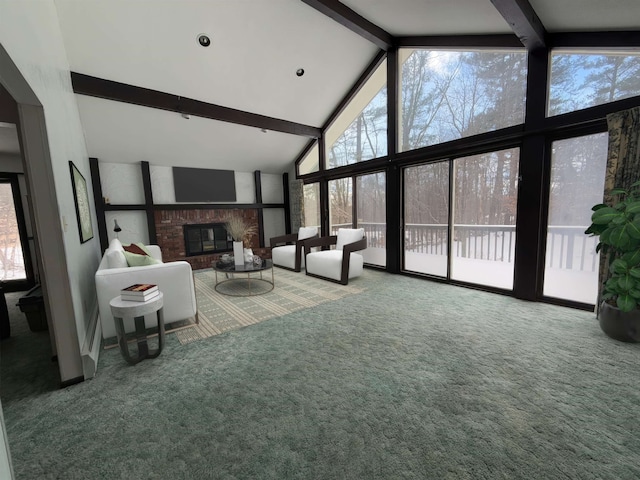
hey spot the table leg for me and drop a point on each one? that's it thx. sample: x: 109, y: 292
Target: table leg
x: 141, y: 338
x: 122, y: 342
x: 156, y: 352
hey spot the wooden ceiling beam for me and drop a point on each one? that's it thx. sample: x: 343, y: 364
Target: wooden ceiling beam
x: 457, y: 41
x: 354, y: 22
x: 122, y: 92
x: 524, y: 22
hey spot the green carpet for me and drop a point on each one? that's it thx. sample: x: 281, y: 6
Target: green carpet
x: 408, y: 379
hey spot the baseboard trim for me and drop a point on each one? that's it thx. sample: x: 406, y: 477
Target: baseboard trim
x: 72, y: 381
x: 91, y: 347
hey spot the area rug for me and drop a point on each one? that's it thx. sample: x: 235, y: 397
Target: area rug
x: 293, y: 291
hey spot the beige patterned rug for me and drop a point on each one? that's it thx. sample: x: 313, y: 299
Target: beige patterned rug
x: 293, y: 291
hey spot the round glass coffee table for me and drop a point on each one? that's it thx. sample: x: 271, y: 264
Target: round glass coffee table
x: 243, y: 280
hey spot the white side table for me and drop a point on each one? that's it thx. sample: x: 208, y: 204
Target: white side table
x: 122, y: 309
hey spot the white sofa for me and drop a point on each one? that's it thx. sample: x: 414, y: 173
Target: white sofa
x: 174, y: 280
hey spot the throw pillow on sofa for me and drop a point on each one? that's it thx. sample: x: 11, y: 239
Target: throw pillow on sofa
x: 138, y: 256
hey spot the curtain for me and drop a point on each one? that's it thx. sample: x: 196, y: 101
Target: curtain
x: 623, y: 165
x: 296, y: 203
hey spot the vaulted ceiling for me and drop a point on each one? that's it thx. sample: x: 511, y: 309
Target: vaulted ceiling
x: 256, y: 48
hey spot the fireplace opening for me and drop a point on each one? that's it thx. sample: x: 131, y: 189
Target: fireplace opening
x: 203, y: 239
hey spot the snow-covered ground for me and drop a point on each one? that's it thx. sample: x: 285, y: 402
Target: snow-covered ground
x: 569, y: 284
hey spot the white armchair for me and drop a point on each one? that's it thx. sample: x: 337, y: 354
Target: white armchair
x: 174, y: 280
x: 291, y: 256
x: 340, y: 264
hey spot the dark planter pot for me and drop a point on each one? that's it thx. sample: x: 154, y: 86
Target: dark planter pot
x: 623, y: 326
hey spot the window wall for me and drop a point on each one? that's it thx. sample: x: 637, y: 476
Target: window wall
x: 453, y: 192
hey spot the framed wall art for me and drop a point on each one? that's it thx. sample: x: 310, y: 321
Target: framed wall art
x: 81, y: 197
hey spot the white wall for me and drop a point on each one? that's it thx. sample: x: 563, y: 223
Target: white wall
x: 33, y: 51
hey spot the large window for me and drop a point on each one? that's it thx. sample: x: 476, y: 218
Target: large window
x: 447, y: 95
x: 426, y: 214
x: 580, y: 80
x: 372, y: 216
x: 360, y: 131
x: 484, y: 237
x: 578, y: 168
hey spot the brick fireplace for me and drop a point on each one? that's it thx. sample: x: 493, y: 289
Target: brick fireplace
x: 170, y: 232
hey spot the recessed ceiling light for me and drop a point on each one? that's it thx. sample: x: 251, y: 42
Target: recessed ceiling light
x: 300, y: 72
x: 204, y: 40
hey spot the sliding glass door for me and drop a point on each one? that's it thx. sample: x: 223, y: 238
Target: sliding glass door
x: 484, y: 218
x: 426, y: 218
x: 372, y: 216
x: 473, y: 239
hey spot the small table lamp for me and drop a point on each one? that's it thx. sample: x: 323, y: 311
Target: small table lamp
x: 116, y: 227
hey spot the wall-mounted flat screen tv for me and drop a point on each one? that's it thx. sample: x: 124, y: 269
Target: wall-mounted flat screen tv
x: 204, y: 185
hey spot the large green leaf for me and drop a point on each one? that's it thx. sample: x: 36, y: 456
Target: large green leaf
x: 605, y: 236
x: 632, y: 258
x: 618, y: 191
x: 633, y: 228
x: 619, y: 266
x: 633, y: 207
x: 626, y: 283
x: 635, y: 293
x: 619, y: 237
x: 604, y: 215
x: 626, y: 303
x: 598, y: 206
x: 595, y: 229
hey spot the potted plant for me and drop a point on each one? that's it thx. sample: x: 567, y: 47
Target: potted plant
x: 618, y: 229
x: 240, y: 231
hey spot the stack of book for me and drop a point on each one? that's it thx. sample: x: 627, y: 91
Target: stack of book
x: 139, y: 292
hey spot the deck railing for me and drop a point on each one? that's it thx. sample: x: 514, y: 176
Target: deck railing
x: 567, y: 246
